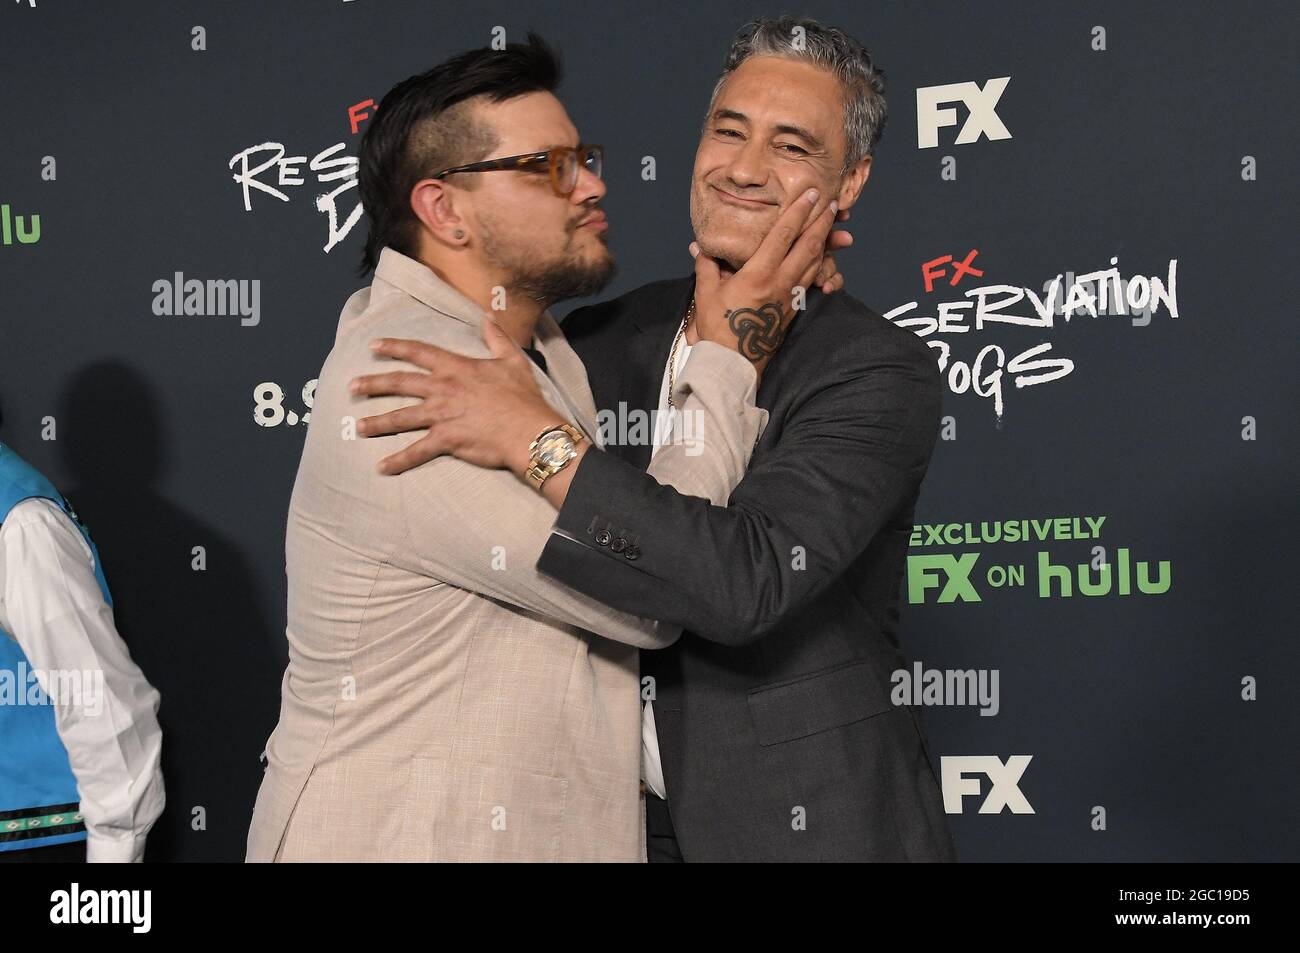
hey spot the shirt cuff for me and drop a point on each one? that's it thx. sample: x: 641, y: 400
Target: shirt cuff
x: 109, y: 850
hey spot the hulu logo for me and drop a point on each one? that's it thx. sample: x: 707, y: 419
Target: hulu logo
x: 1122, y: 577
x: 26, y: 228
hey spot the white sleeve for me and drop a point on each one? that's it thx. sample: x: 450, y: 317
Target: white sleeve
x: 719, y: 425
x: 58, y: 615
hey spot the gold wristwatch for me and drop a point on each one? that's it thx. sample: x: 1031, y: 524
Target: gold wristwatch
x: 551, y: 452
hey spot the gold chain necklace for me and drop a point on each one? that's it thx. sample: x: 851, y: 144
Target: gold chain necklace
x: 672, y: 357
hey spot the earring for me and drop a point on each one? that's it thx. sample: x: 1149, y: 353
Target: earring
x: 458, y: 233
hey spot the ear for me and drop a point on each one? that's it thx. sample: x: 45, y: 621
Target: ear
x: 435, y: 206
x: 854, y: 181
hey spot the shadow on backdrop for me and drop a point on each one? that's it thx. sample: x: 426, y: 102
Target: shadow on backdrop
x: 200, y: 637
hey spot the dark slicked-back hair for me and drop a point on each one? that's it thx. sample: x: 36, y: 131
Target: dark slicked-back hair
x: 424, y: 125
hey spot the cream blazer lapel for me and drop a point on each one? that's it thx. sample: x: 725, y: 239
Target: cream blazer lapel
x: 565, y: 388
x: 569, y: 375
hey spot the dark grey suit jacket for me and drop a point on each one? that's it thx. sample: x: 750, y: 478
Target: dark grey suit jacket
x: 778, y: 737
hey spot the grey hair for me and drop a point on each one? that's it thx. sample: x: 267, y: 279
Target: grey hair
x: 802, y: 38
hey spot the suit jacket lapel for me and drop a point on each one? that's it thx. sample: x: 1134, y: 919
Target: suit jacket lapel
x: 566, y: 371
x: 647, y: 355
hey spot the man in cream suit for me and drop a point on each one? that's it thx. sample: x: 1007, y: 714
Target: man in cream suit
x: 443, y: 699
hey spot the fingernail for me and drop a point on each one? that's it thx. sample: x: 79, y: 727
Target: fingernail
x: 811, y: 196
x: 354, y: 385
x: 376, y: 345
x: 835, y: 206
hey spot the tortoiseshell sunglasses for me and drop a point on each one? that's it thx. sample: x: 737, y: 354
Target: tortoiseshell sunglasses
x: 562, y: 163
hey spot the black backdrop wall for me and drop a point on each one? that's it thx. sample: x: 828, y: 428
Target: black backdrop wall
x: 1159, y: 717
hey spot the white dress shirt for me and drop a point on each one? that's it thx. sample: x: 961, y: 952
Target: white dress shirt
x: 652, y: 769
x: 51, y: 603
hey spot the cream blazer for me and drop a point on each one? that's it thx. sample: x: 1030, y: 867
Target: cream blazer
x: 443, y: 700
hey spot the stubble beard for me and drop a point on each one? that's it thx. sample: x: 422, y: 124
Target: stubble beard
x: 566, y: 275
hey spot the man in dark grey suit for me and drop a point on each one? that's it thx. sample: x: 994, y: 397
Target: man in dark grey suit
x: 774, y: 721
x: 769, y: 725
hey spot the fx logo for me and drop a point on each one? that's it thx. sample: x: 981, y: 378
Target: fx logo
x: 1004, y: 792
x: 933, y: 269
x: 923, y: 574
x: 982, y: 119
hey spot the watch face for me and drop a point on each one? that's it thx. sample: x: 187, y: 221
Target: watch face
x: 555, y: 449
